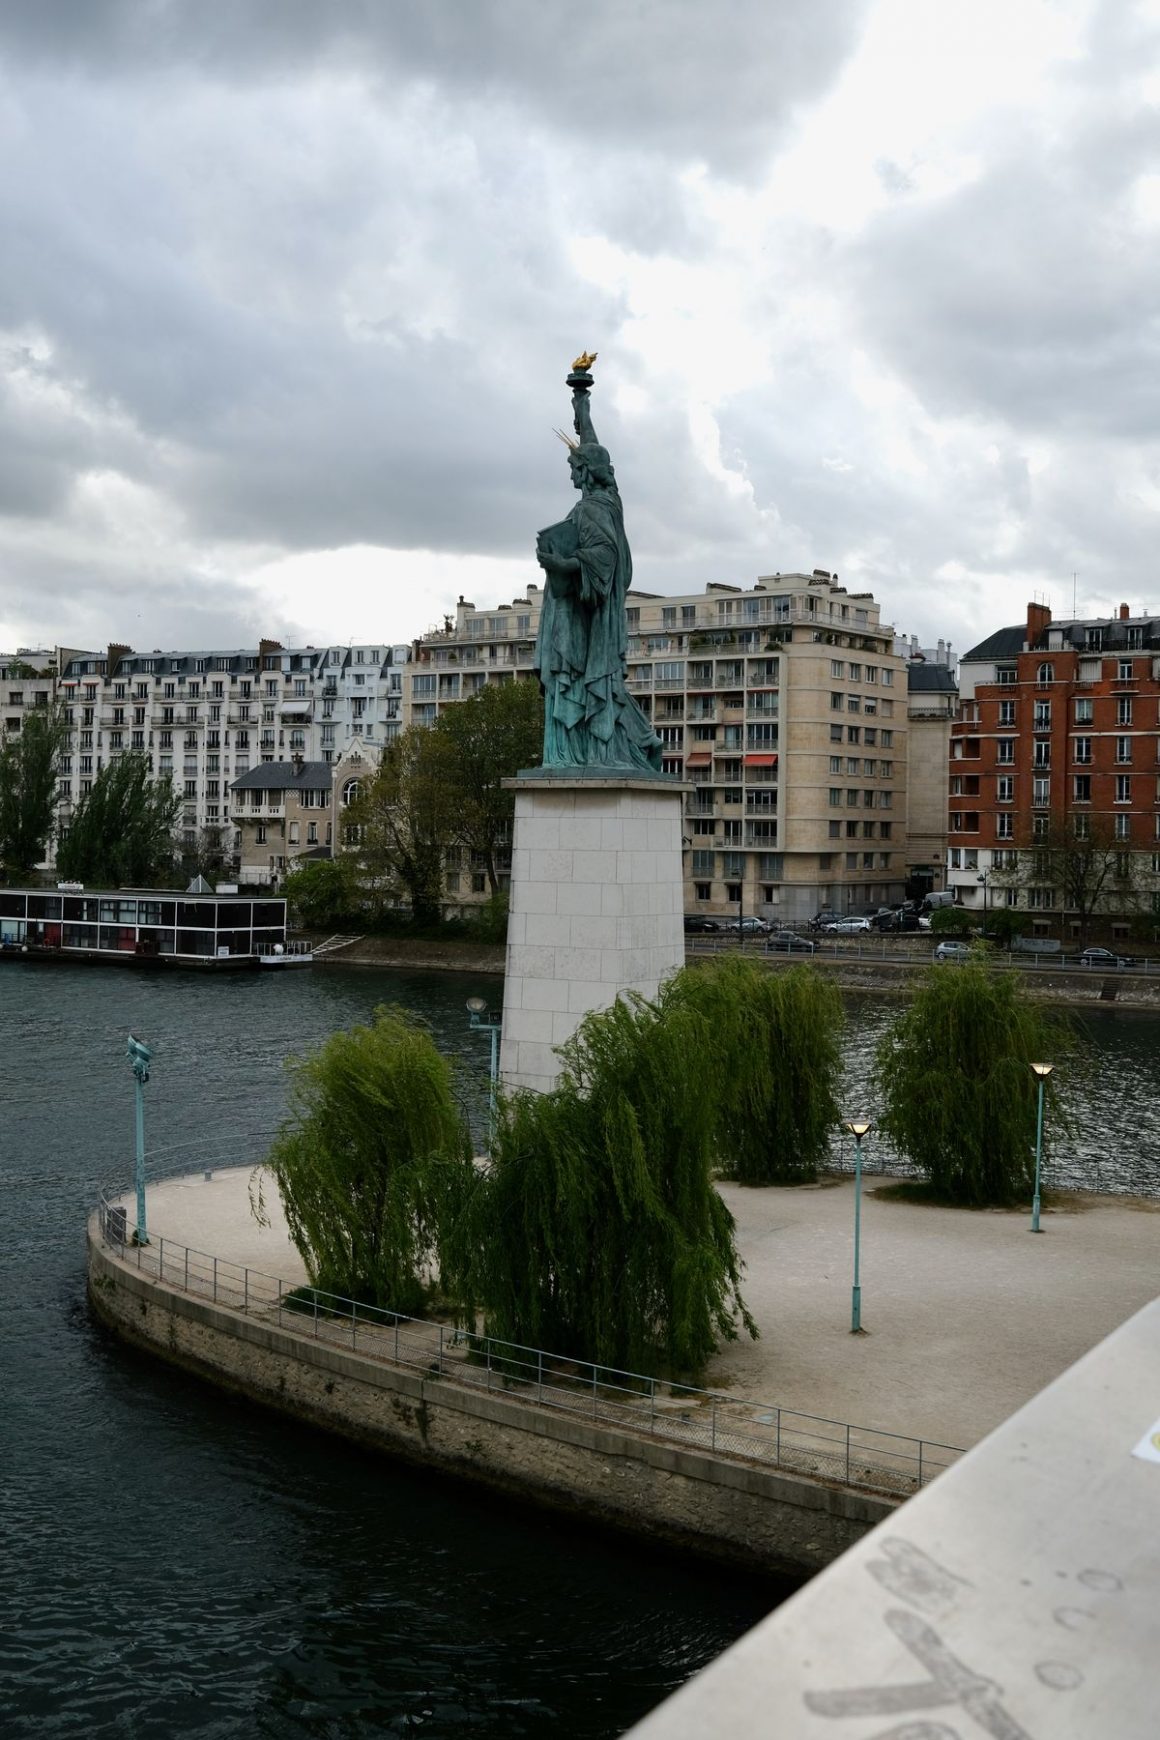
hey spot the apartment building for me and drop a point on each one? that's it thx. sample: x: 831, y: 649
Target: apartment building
x: 1058, y: 740
x: 208, y: 717
x: 784, y: 709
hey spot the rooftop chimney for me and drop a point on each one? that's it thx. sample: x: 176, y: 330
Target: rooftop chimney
x: 1038, y: 617
x: 1125, y: 613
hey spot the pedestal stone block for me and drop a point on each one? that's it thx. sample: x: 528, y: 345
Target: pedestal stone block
x: 597, y: 907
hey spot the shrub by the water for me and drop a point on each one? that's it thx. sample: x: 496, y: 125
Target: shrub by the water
x: 373, y: 1161
x: 597, y: 1233
x: 958, y: 1094
x: 771, y: 1067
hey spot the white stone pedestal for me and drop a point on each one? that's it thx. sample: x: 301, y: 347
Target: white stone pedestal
x: 597, y: 907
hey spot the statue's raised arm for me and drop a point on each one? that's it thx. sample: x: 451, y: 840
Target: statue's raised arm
x: 590, y: 719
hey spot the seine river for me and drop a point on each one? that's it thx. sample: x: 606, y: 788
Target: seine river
x: 179, y: 1564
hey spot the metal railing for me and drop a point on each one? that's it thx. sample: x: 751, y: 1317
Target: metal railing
x: 694, y: 1419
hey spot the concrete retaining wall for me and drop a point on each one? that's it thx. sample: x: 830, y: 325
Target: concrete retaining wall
x: 730, y: 1510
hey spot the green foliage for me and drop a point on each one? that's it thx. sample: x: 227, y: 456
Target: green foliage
x: 28, y: 779
x: 491, y: 923
x: 122, y: 832
x: 954, y: 1079
x: 373, y: 1161
x: 774, y: 1067
x: 488, y: 739
x: 1005, y: 923
x: 402, y: 822
x: 324, y: 893
x: 952, y: 921
x: 597, y: 1232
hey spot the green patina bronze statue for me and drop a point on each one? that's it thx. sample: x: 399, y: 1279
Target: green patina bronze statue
x: 590, y: 719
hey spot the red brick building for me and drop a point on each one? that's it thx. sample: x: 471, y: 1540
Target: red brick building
x: 1054, y: 803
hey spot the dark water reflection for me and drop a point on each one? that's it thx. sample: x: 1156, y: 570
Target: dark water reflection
x: 177, y: 1563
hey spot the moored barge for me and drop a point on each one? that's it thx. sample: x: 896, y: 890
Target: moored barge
x: 144, y: 927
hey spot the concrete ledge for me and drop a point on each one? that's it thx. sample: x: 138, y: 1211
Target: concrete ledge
x: 730, y: 1510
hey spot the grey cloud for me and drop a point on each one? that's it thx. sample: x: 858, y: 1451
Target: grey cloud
x: 714, y: 82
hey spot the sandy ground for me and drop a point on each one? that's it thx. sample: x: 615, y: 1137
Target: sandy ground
x: 966, y: 1315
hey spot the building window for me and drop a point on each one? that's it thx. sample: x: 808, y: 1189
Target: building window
x: 835, y: 830
x: 1082, y: 749
x: 853, y: 733
x: 835, y: 733
x: 1123, y: 749
x: 1123, y: 788
x: 733, y: 892
x: 1083, y: 712
x: 1005, y: 827
x: 1042, y: 715
x: 1125, y: 670
x: 1006, y: 752
x: 1006, y: 712
x: 1123, y: 827
x: 1040, y: 793
x: 837, y: 703
x: 1041, y: 755
x: 1124, y: 710
x: 1005, y: 789
x: 702, y: 890
x: 1045, y: 674
x: 1083, y: 788
x: 1041, y: 899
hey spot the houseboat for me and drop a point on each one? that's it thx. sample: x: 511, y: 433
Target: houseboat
x: 146, y: 927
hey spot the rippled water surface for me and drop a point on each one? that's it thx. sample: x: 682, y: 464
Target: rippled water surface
x: 176, y: 1563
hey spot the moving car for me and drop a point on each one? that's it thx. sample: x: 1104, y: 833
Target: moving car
x: 750, y: 926
x: 1103, y: 958
x: 789, y: 942
x: 847, y: 926
x: 952, y: 951
x: 695, y: 922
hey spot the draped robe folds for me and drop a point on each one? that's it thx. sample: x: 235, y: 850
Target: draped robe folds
x: 590, y: 719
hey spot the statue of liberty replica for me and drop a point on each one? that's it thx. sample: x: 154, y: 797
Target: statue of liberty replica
x: 596, y: 887
x: 590, y: 719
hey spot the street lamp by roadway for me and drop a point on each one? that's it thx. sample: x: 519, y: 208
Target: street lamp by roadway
x: 483, y: 1020
x: 983, y: 878
x: 140, y: 1056
x: 858, y: 1128
x: 1042, y: 1070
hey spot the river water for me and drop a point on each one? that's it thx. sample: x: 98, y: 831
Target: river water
x: 180, y: 1564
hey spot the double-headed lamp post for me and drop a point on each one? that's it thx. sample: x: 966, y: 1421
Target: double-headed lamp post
x: 483, y: 1019
x: 859, y: 1128
x: 140, y: 1056
x: 1042, y: 1070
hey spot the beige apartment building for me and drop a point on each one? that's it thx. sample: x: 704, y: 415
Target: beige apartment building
x: 783, y: 708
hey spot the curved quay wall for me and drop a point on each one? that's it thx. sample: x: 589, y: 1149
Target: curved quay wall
x: 731, y: 1510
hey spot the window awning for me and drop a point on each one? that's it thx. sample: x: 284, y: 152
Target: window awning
x: 761, y: 761
x: 698, y: 758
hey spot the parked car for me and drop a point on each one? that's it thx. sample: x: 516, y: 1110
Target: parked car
x: 821, y: 919
x: 750, y: 926
x: 789, y: 942
x: 952, y: 951
x: 847, y: 926
x: 1103, y: 958
x: 695, y: 922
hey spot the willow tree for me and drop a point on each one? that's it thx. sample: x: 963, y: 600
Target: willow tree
x: 597, y: 1234
x: 953, y: 1076
x: 772, y: 1068
x: 372, y: 1162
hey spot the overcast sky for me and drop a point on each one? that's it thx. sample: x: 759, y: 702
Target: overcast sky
x: 290, y: 288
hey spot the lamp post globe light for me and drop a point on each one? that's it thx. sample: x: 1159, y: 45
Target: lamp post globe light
x: 1042, y: 1071
x: 483, y: 1020
x: 859, y: 1128
x: 140, y: 1056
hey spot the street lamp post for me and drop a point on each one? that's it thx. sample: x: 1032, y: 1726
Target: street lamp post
x: 858, y: 1128
x: 984, y: 878
x: 1042, y: 1071
x: 483, y: 1020
x: 140, y: 1056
